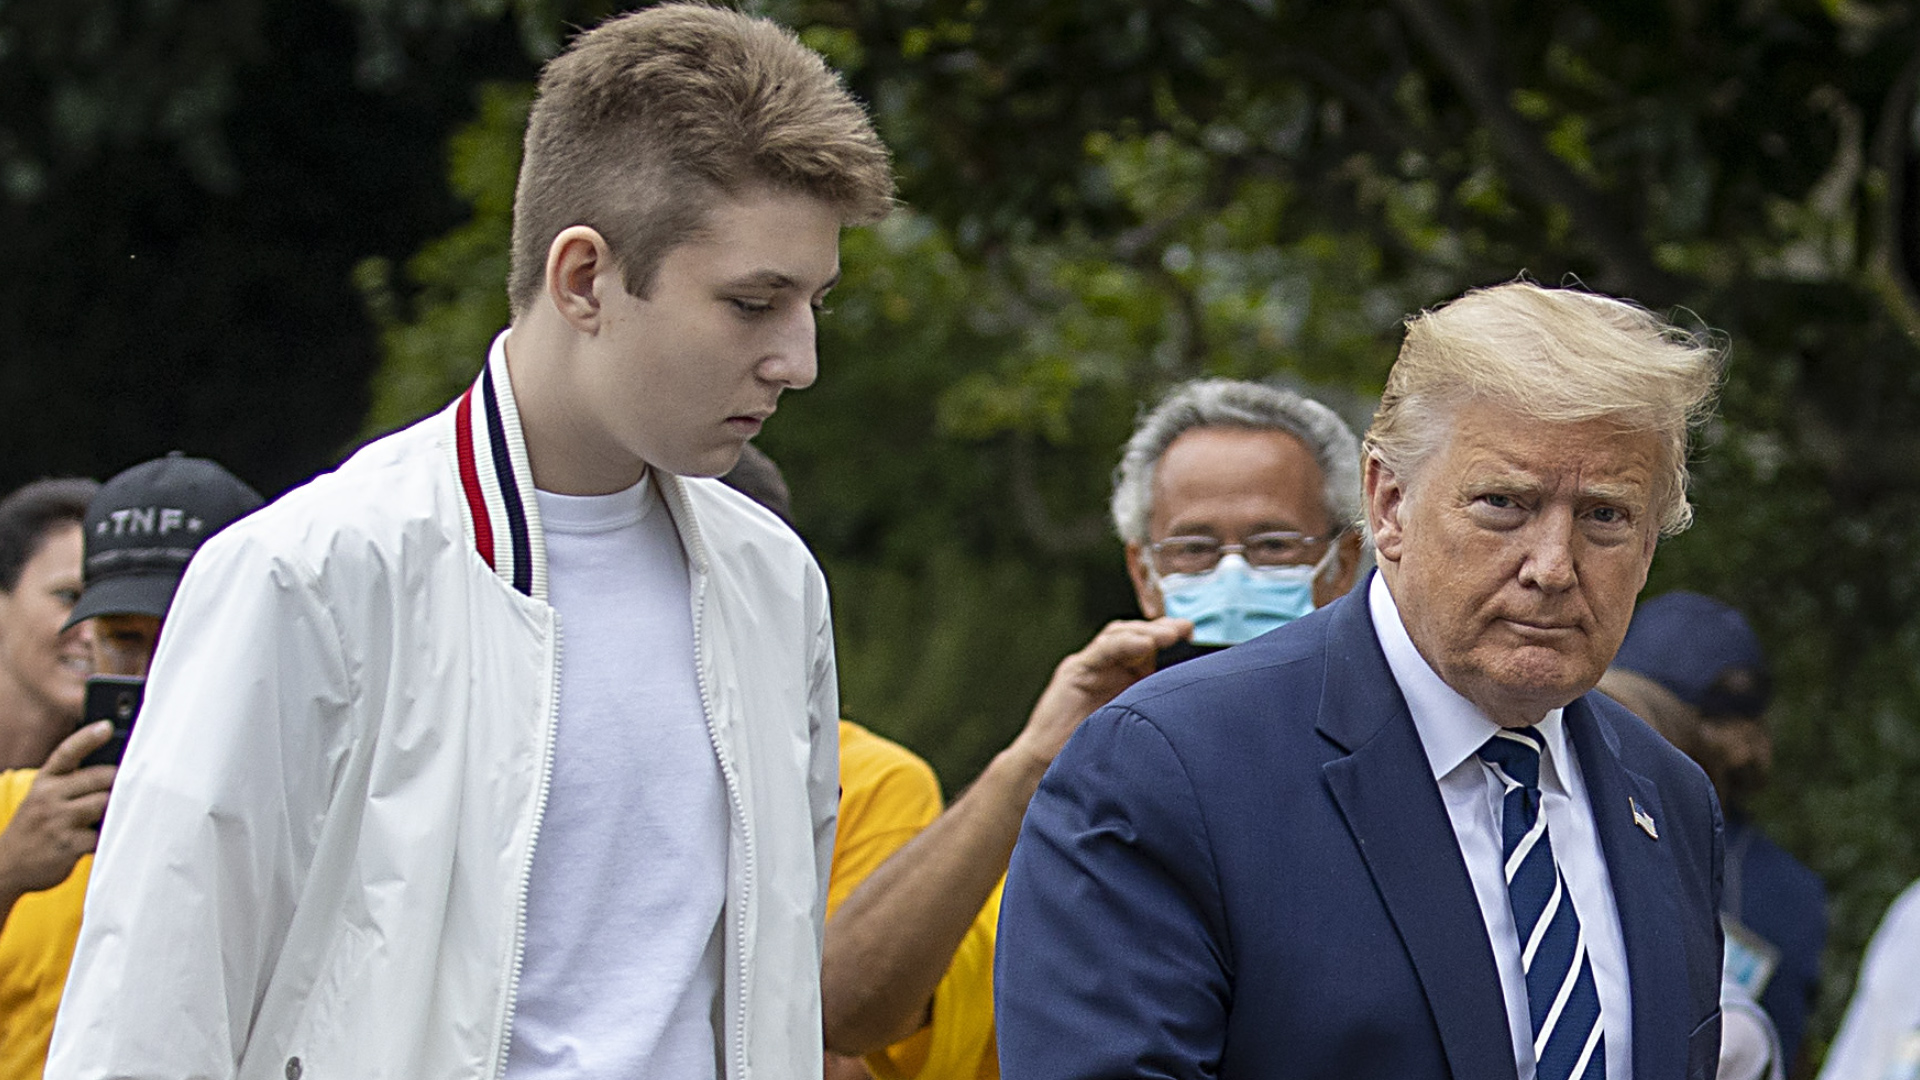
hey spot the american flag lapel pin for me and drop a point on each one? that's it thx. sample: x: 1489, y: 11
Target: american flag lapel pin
x: 1642, y: 819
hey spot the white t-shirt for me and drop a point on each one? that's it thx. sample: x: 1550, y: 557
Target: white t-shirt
x: 621, y: 972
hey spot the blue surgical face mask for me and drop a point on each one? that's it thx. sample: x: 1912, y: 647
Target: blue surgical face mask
x: 1235, y: 602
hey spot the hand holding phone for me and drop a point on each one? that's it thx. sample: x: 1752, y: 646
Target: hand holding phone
x: 115, y: 698
x: 56, y: 822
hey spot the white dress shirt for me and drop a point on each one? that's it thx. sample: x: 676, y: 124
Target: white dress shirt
x: 1452, y: 730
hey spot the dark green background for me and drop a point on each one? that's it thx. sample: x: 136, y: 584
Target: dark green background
x: 261, y: 229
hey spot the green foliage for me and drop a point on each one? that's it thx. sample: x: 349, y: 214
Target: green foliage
x: 185, y: 189
x: 1103, y: 200
x: 950, y: 466
x: 435, y: 342
x: 943, y: 651
x: 81, y: 80
x: 88, y: 80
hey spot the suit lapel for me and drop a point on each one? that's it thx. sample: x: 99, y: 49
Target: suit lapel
x: 1386, y: 794
x: 1645, y: 890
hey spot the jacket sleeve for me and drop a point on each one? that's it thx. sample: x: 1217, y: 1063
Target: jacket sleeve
x: 1112, y: 958
x: 823, y: 763
x: 1873, y: 1038
x: 212, y: 824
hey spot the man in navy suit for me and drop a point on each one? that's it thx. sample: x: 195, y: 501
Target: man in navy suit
x: 1399, y: 838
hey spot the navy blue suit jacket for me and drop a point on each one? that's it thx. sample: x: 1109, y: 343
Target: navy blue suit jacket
x: 1243, y: 867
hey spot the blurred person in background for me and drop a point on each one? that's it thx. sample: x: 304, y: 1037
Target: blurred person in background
x: 1749, y: 1043
x: 1879, y: 1039
x: 1237, y: 503
x: 1706, y: 661
x: 43, y: 662
x: 140, y: 530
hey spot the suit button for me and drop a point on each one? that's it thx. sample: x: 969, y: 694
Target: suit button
x: 293, y: 1068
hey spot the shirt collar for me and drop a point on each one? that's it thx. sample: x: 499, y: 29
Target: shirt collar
x: 1451, y: 728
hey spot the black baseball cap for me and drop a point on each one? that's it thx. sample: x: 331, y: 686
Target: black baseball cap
x: 145, y: 524
x: 1700, y: 649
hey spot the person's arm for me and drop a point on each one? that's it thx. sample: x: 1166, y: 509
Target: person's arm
x: 59, y: 819
x: 889, y: 944
x: 216, y: 815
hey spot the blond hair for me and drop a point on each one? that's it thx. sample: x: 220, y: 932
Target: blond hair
x: 1557, y: 355
x: 650, y: 119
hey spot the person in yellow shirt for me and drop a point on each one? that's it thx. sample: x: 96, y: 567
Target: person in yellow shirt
x: 888, y: 794
x: 1236, y: 502
x: 890, y: 800
x: 48, y: 822
x: 46, y: 825
x: 140, y: 530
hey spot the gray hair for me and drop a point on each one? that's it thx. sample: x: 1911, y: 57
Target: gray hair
x: 1205, y: 403
x: 1557, y: 355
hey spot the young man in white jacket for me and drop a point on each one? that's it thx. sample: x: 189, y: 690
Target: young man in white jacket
x: 376, y: 821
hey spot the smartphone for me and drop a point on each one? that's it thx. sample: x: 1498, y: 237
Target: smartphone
x: 115, y: 698
x: 1180, y: 652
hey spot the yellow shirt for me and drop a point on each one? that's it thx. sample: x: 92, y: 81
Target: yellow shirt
x: 36, y: 948
x: 887, y: 795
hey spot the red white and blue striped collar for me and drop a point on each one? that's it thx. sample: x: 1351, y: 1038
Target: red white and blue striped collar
x: 490, y: 456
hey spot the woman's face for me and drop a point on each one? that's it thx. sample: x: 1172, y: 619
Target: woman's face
x: 43, y: 662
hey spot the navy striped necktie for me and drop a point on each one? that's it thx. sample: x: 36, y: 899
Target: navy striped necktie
x: 1561, y: 996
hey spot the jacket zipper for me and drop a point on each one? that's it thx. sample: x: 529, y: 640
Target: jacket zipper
x: 526, y: 874
x: 739, y: 810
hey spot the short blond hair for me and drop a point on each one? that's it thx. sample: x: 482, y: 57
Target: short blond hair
x: 649, y: 120
x: 1557, y: 355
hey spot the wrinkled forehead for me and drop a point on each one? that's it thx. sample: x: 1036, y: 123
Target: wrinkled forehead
x: 1615, y: 453
x: 1237, y: 479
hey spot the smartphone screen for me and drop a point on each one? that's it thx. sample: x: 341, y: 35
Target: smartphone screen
x: 1181, y: 651
x: 115, y: 698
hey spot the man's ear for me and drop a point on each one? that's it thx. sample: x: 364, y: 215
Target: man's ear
x: 577, y: 260
x: 1152, y: 605
x: 1386, y: 498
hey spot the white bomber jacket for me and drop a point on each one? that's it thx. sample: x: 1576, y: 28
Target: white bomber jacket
x: 316, y: 860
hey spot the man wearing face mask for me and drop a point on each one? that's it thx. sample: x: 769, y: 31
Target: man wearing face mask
x: 1236, y: 502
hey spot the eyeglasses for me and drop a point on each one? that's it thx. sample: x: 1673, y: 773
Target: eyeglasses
x: 1199, y: 554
